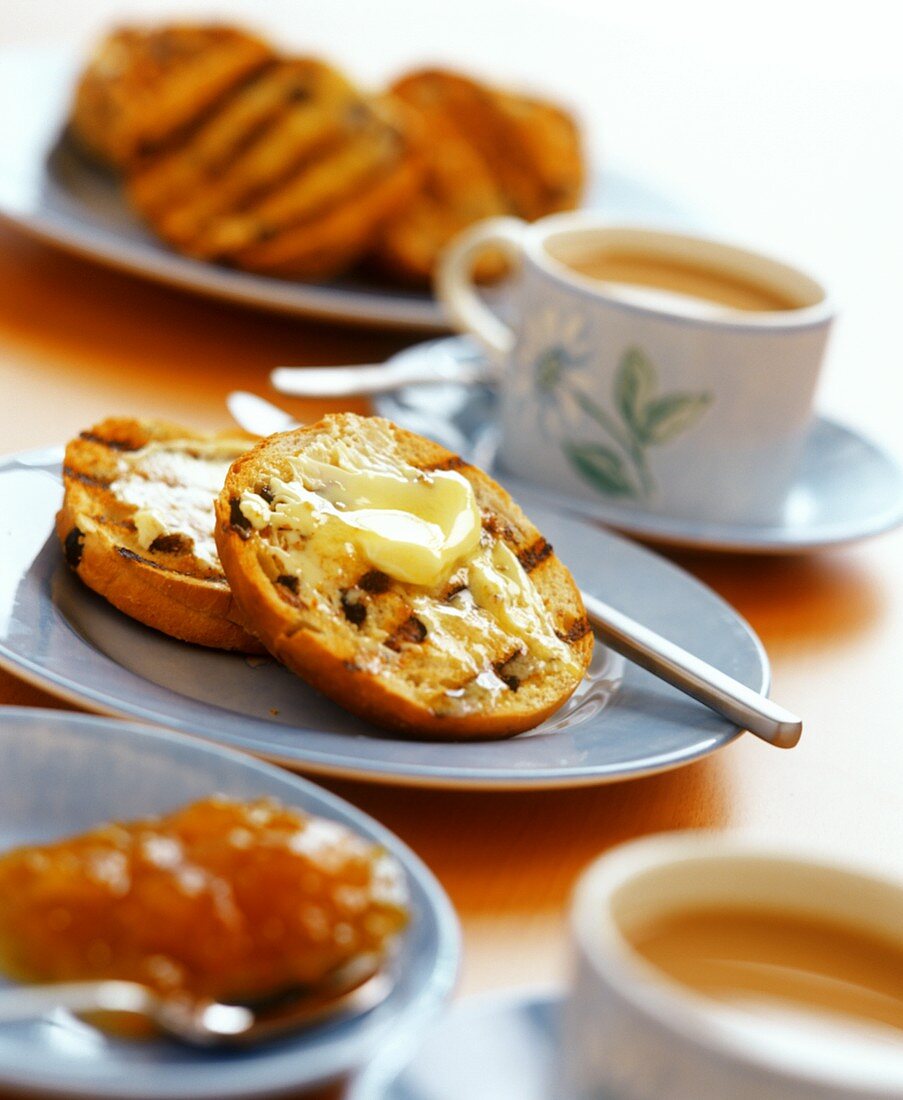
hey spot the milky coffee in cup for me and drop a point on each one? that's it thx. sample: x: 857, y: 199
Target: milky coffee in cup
x: 647, y: 371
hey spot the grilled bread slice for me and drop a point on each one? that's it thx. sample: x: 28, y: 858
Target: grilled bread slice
x: 457, y: 189
x: 486, y: 152
x: 290, y: 175
x: 481, y: 635
x: 326, y: 219
x: 137, y: 526
x: 143, y: 87
x: 299, y: 103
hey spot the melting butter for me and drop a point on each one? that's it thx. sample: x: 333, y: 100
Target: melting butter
x: 410, y: 525
x: 173, y: 486
x: 502, y: 587
x: 418, y: 528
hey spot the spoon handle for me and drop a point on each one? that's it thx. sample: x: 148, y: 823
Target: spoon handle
x: 693, y: 676
x: 368, y: 380
x: 29, y: 1002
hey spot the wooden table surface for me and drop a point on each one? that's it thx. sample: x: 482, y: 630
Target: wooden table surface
x: 78, y: 342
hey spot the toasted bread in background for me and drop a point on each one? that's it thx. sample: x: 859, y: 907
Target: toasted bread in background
x: 360, y: 635
x: 487, y: 152
x: 120, y: 477
x: 144, y: 86
x: 327, y: 213
x: 235, y: 154
x: 290, y: 174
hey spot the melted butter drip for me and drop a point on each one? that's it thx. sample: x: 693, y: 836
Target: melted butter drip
x: 501, y: 586
x: 172, y: 486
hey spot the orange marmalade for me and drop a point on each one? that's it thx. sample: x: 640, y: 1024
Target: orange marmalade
x: 221, y: 899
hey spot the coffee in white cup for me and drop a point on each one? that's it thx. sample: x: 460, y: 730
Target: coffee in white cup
x: 709, y: 965
x: 657, y: 371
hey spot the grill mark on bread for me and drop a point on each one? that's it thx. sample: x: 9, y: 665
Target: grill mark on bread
x: 86, y: 479
x: 578, y: 629
x: 182, y: 135
x: 287, y: 590
x: 264, y: 189
x: 339, y: 200
x: 494, y: 526
x: 112, y: 444
x: 411, y: 631
x: 453, y: 462
x: 508, y: 678
x: 534, y: 554
x: 74, y: 547
x: 243, y: 142
x: 130, y: 555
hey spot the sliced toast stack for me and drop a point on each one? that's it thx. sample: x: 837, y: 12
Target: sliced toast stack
x: 236, y: 154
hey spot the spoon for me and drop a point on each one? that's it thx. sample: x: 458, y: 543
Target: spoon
x: 353, y: 990
x: 411, y: 367
x: 663, y: 658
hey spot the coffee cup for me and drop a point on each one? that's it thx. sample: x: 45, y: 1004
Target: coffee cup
x: 686, y: 981
x: 656, y: 371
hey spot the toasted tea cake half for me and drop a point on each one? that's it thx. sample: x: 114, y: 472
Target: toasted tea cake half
x: 402, y: 582
x: 137, y: 525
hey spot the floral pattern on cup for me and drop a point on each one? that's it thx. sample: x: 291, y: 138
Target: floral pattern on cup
x: 616, y: 461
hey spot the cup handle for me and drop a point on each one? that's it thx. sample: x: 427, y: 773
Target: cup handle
x: 455, y: 285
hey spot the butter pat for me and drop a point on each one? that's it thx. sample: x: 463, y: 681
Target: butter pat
x: 412, y: 526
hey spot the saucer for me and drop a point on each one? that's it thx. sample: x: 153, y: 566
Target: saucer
x: 847, y: 488
x: 495, y: 1046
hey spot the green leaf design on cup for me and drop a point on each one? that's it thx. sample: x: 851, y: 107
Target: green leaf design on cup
x: 668, y: 417
x: 643, y: 419
x: 635, y: 383
x: 601, y: 467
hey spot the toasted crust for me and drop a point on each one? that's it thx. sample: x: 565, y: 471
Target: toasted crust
x: 164, y: 586
x: 143, y: 86
x: 487, y: 152
x: 376, y: 659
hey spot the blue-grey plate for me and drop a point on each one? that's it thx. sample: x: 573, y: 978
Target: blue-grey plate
x: 846, y: 488
x: 63, y: 773
x: 495, y: 1046
x: 50, y: 190
x: 621, y: 722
